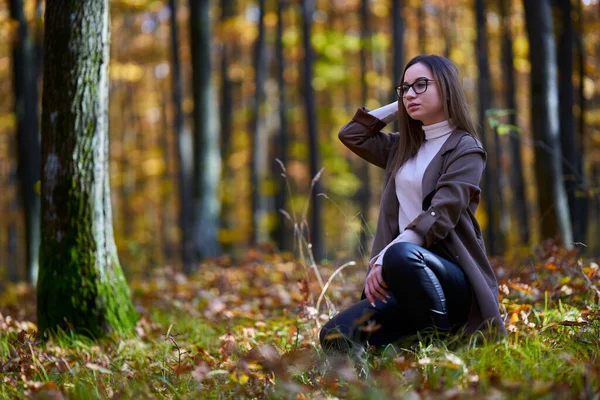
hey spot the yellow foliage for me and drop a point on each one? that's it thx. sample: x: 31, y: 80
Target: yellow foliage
x: 153, y: 166
x: 129, y: 72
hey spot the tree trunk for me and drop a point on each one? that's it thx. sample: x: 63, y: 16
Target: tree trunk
x: 363, y: 195
x: 81, y: 285
x: 257, y: 170
x: 494, y: 205
x: 422, y: 27
x: 184, y: 153
x: 398, y: 43
x: 519, y: 197
x: 228, y: 49
x: 316, y: 231
x: 583, y: 203
x: 228, y: 8
x: 281, y: 234
x: 207, y: 160
x: 565, y: 94
x: 552, y: 197
x: 28, y: 141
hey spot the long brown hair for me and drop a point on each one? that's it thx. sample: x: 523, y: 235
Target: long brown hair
x: 446, y: 76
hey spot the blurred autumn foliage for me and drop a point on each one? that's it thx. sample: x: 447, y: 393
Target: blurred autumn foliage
x: 144, y: 163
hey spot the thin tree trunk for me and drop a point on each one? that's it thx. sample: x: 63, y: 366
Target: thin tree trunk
x: 184, y: 153
x: 81, y: 285
x: 518, y: 182
x: 363, y: 195
x: 207, y: 159
x: 228, y: 11
x: 398, y: 43
x: 28, y: 141
x: 491, y: 182
x: 582, y: 208
x: 228, y: 8
x: 565, y: 94
x: 281, y: 137
x: 316, y: 231
x: 258, y: 141
x: 422, y: 27
x: 552, y: 197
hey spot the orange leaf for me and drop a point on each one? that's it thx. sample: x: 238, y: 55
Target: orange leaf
x: 551, y: 266
x: 514, y: 318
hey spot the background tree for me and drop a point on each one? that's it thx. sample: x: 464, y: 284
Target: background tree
x: 207, y: 161
x: 26, y: 111
x: 229, y: 48
x: 282, y: 235
x: 554, y: 208
x: 494, y: 199
x: 398, y: 47
x: 316, y: 230
x: 363, y: 195
x: 564, y: 31
x: 519, y: 203
x: 81, y: 285
x: 259, y: 139
x: 184, y: 152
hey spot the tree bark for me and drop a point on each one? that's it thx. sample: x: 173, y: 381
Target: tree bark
x: 583, y: 202
x: 81, y: 285
x: 257, y: 170
x: 316, y: 231
x: 282, y: 234
x: 519, y: 197
x: 207, y: 160
x: 228, y: 55
x: 422, y: 27
x: 552, y: 197
x: 363, y: 194
x: 494, y: 205
x: 398, y: 43
x: 565, y: 94
x: 28, y: 141
x: 184, y: 153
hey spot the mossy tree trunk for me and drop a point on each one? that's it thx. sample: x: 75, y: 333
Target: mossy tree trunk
x: 81, y: 285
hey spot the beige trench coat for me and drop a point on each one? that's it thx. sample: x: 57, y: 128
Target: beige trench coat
x: 451, y: 195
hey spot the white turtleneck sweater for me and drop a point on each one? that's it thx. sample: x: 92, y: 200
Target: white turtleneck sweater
x: 409, y: 178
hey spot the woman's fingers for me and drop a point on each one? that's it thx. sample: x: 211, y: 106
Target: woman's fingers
x: 377, y: 291
x: 379, y: 277
x: 380, y: 293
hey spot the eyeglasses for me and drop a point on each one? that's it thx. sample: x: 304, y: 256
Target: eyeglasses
x: 419, y: 86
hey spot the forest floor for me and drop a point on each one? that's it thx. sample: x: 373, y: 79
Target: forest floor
x: 250, y: 330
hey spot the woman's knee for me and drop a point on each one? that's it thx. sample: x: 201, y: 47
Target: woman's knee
x: 402, y: 262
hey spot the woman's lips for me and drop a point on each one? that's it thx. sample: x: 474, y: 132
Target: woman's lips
x: 413, y: 107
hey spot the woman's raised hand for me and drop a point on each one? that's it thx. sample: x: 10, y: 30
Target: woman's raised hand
x: 375, y: 287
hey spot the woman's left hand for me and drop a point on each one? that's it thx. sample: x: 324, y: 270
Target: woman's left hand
x: 375, y: 286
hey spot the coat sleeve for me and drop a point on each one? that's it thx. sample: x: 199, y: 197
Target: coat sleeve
x: 363, y: 137
x: 455, y: 189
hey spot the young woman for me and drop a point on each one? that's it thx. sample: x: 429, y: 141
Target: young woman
x: 428, y: 266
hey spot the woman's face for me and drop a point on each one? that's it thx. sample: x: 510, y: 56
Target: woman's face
x: 427, y: 106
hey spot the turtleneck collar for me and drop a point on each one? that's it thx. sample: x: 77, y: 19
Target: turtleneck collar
x: 438, y: 130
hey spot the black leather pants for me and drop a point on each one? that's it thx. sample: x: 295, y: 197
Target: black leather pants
x: 426, y: 291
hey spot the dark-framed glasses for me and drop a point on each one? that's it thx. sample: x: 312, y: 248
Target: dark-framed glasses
x: 419, y: 86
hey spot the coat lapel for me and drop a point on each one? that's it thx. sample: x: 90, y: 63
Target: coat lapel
x: 434, y: 169
x: 430, y: 179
